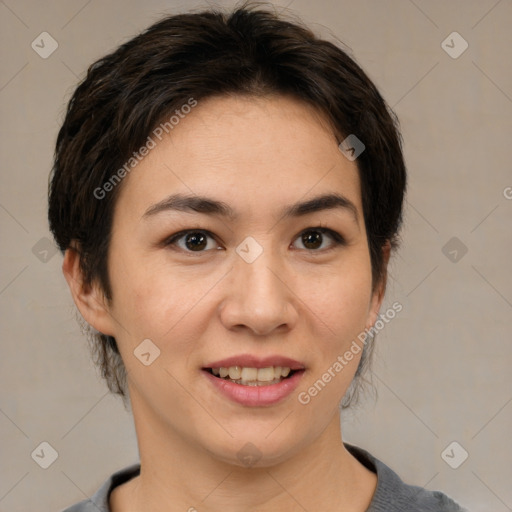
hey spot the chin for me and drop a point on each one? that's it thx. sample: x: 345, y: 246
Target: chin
x: 255, y: 449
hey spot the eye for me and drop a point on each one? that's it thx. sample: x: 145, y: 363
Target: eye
x: 313, y: 238
x: 192, y: 240
x: 197, y: 240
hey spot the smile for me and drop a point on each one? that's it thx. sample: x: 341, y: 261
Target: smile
x: 250, y: 376
x: 254, y: 381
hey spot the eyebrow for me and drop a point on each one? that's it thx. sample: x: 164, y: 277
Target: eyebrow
x: 210, y: 206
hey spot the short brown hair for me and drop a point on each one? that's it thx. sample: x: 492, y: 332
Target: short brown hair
x: 249, y: 51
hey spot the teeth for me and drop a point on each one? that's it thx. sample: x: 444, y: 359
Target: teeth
x: 250, y: 374
x: 265, y: 374
x: 235, y: 372
x: 253, y: 376
x: 255, y: 382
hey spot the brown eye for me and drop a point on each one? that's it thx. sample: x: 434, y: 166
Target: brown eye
x: 313, y: 238
x: 191, y: 241
x: 196, y: 241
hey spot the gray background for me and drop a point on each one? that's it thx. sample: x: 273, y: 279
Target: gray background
x: 443, y: 365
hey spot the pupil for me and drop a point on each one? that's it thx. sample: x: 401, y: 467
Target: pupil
x: 312, y: 237
x: 196, y: 241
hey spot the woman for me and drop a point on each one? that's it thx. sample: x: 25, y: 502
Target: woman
x: 227, y: 191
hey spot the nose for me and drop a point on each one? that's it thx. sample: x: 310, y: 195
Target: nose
x: 259, y: 297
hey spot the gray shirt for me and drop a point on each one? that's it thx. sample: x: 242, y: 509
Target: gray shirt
x: 391, y: 495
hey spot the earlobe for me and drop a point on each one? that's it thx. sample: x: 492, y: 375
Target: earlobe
x: 89, y: 299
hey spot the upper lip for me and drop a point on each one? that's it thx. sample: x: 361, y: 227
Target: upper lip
x: 251, y: 361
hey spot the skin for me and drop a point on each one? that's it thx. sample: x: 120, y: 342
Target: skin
x: 256, y: 155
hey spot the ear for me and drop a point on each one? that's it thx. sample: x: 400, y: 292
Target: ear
x: 380, y: 290
x: 89, y: 299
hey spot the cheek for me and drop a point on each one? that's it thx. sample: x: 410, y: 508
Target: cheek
x: 162, y: 305
x: 143, y: 294
x: 340, y: 299
x: 341, y: 313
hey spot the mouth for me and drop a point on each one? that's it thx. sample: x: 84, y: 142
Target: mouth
x: 251, y: 376
x: 254, y: 381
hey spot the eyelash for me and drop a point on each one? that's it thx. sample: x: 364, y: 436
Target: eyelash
x: 338, y: 240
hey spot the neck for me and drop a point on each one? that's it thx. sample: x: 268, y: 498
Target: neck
x: 178, y: 475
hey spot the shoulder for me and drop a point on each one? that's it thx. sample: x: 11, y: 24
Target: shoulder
x: 99, y: 502
x: 393, y: 495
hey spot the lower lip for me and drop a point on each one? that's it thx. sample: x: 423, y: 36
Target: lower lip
x: 255, y: 396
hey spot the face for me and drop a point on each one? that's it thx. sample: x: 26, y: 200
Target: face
x: 246, y: 279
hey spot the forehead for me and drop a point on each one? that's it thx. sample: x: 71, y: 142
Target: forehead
x: 254, y: 153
